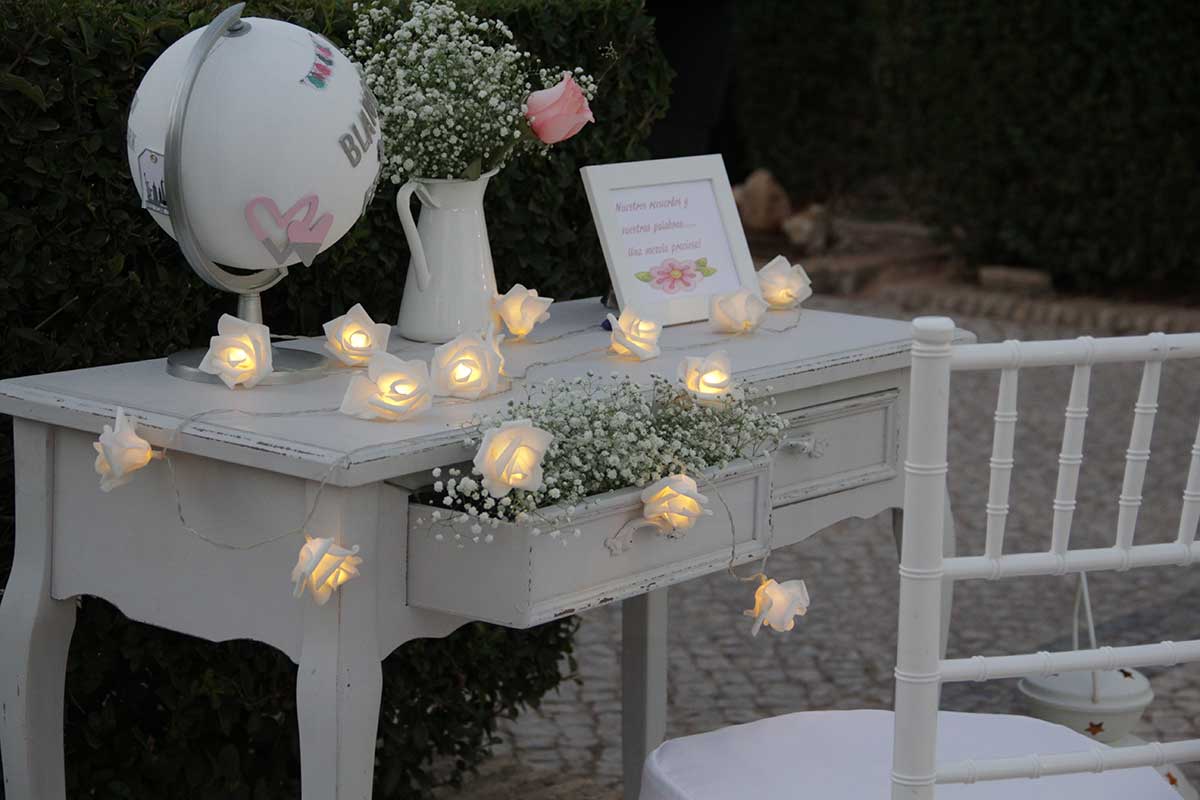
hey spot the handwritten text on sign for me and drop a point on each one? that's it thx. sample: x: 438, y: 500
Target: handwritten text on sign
x: 673, y: 242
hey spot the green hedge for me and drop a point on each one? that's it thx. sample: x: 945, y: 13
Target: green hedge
x: 805, y: 96
x: 154, y: 714
x: 1059, y: 135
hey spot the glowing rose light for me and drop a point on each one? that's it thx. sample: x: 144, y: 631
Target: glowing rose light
x: 510, y: 457
x: 120, y: 452
x: 354, y: 337
x: 469, y: 367
x: 634, y: 335
x: 322, y: 568
x: 520, y: 309
x: 709, y: 379
x: 392, y: 389
x: 777, y: 604
x: 673, y: 504
x: 240, y: 353
x: 737, y: 312
x: 784, y: 285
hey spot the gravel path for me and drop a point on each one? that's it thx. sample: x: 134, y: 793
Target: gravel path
x: 841, y: 655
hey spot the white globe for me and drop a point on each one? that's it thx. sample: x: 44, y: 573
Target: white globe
x: 280, y: 132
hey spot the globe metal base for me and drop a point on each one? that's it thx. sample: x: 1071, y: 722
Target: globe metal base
x: 290, y: 366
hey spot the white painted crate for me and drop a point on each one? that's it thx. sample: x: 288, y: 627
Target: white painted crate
x: 520, y: 580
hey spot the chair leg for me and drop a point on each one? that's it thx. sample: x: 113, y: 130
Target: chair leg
x: 949, y: 549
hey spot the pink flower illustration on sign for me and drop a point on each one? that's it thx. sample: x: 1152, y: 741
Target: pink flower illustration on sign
x: 674, y: 275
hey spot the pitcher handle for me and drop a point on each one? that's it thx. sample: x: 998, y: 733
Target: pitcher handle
x: 404, y: 209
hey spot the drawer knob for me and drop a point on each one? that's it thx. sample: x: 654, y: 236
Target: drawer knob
x: 805, y: 444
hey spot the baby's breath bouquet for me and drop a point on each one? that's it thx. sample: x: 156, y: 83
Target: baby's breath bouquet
x: 456, y: 96
x: 608, y: 434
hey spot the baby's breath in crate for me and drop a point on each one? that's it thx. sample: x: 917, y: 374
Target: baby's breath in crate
x: 533, y: 554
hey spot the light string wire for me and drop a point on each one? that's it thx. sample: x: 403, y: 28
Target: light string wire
x: 345, y: 460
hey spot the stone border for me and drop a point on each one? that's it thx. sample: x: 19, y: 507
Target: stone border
x: 1083, y: 313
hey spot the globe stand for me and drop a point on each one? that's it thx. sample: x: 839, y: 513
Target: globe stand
x: 289, y: 365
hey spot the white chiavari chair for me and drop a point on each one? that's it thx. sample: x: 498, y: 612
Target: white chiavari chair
x: 845, y: 755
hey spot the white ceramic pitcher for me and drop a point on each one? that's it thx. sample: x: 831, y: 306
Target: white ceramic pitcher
x: 451, y: 282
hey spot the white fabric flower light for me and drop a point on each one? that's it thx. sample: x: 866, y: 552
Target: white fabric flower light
x: 354, y: 337
x: 737, y: 312
x: 392, y: 389
x: 784, y: 285
x: 777, y: 604
x: 634, y: 335
x: 469, y: 367
x: 510, y: 457
x: 240, y: 353
x: 520, y: 309
x: 323, y: 566
x: 120, y: 452
x: 673, y: 504
x: 708, y: 379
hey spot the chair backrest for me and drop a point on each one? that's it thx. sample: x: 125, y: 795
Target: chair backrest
x: 920, y: 669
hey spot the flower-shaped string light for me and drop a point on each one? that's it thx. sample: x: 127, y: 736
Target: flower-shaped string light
x: 354, y: 337
x: 708, y: 379
x: 322, y: 567
x: 469, y: 367
x: 777, y: 604
x: 673, y: 504
x: 510, y: 457
x: 240, y: 353
x: 634, y: 335
x: 520, y: 309
x: 120, y: 452
x: 784, y: 285
x: 737, y: 312
x: 392, y: 389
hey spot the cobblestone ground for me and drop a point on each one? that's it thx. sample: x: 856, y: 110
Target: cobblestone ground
x: 841, y: 655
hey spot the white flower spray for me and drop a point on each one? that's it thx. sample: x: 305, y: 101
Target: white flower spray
x: 608, y: 433
x: 451, y: 88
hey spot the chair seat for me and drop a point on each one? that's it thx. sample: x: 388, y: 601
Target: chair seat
x: 847, y: 755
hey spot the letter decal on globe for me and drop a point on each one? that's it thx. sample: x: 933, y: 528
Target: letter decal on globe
x: 322, y: 65
x: 357, y: 142
x: 151, y: 174
x: 303, y: 237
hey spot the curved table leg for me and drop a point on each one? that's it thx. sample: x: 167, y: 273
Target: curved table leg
x: 339, y: 684
x: 949, y: 549
x: 35, y: 632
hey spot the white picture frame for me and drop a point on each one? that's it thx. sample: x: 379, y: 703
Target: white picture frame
x: 684, y: 205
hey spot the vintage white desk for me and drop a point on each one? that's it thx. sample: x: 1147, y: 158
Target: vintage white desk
x: 842, y: 382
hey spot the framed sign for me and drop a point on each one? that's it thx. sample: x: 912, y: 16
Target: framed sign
x: 671, y: 234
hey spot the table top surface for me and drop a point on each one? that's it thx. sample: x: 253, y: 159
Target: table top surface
x: 296, y: 429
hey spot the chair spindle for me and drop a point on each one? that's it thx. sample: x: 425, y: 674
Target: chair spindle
x: 1002, y: 458
x: 1070, y: 457
x: 1191, y: 498
x: 1138, y: 454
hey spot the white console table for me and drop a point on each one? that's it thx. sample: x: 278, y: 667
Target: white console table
x: 841, y: 381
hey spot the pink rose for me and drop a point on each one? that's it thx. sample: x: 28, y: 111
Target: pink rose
x: 558, y: 113
x: 673, y: 276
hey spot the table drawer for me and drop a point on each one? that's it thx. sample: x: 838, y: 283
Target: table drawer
x: 835, y: 446
x: 521, y: 580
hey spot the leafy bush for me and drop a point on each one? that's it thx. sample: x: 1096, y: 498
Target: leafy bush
x: 806, y: 99
x: 1054, y: 134
x: 154, y: 714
